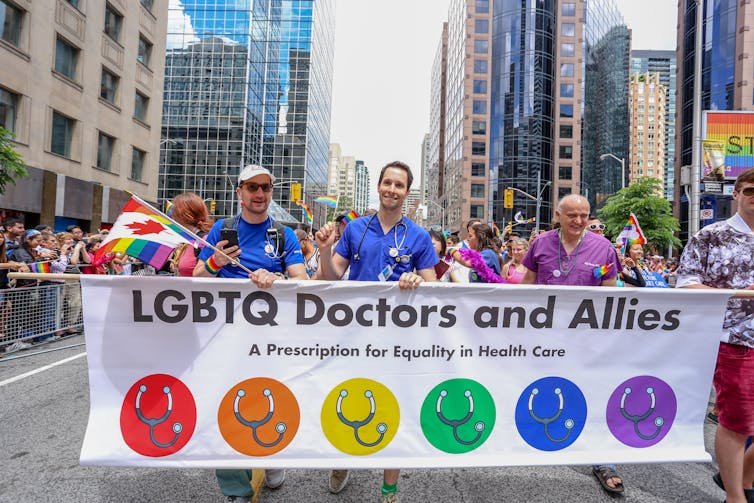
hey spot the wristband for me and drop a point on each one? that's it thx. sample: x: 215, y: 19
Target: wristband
x: 211, y: 266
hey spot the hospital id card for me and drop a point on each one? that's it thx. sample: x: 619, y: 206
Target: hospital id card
x: 386, y: 272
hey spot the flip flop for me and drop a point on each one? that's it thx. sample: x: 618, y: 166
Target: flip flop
x: 603, y: 474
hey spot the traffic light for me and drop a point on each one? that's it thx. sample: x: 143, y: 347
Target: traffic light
x: 508, y: 198
x: 212, y: 204
x: 295, y: 192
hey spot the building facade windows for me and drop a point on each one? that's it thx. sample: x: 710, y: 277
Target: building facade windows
x: 565, y: 172
x: 482, y: 26
x: 563, y: 191
x: 62, y: 134
x: 566, y: 90
x: 478, y: 127
x: 137, y: 163
x: 141, y: 107
x: 145, y: 51
x: 108, y: 86
x: 66, y: 58
x: 147, y: 4
x: 480, y: 66
x: 566, y: 110
x: 565, y: 152
x: 566, y: 69
x: 8, y: 109
x: 105, y: 149
x: 480, y: 87
x: 481, y: 46
x: 478, y: 148
x: 482, y: 6
x: 568, y: 9
x: 74, y: 3
x: 567, y: 49
x: 113, y: 23
x: 10, y: 23
x: 568, y: 29
x: 479, y: 107
x: 477, y: 190
x: 478, y: 169
x: 476, y: 211
x: 566, y: 131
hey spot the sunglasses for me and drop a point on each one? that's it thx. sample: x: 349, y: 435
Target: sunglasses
x: 747, y: 191
x: 598, y: 227
x: 253, y: 187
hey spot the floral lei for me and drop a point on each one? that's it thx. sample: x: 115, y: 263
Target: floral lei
x: 480, y: 266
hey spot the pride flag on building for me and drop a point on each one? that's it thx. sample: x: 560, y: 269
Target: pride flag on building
x: 330, y: 201
x: 145, y: 233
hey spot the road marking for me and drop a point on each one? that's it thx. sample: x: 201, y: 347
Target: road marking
x: 41, y: 369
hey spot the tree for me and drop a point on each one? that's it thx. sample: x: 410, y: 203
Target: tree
x: 11, y: 163
x: 644, y: 199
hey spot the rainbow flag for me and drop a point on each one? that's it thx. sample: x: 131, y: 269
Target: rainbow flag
x: 631, y: 233
x: 306, y: 211
x: 732, y: 130
x: 600, y: 271
x: 145, y: 233
x: 39, y: 267
x: 520, y: 219
x: 350, y: 216
x: 169, y: 208
x: 496, y: 229
x: 330, y: 201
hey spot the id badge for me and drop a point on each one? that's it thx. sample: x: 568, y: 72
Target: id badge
x: 386, y: 272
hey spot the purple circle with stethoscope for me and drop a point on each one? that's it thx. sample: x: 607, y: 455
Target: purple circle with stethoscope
x: 641, y: 411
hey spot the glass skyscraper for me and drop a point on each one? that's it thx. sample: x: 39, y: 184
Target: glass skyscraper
x: 247, y: 81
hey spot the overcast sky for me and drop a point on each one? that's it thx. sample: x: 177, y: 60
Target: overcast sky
x: 383, y: 59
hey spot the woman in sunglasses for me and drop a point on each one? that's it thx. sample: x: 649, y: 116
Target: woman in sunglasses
x: 633, y: 265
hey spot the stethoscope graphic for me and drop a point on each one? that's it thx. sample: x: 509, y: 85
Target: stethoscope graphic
x: 177, y: 427
x: 456, y: 423
x: 356, y: 425
x: 393, y: 251
x: 546, y: 421
x: 279, y: 428
x: 658, y: 422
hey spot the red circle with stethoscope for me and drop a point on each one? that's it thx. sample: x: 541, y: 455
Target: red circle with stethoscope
x: 158, y: 415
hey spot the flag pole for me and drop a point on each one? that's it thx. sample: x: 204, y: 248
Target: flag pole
x: 233, y: 261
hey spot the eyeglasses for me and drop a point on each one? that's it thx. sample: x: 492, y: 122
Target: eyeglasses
x: 747, y: 191
x: 253, y: 187
x: 599, y: 227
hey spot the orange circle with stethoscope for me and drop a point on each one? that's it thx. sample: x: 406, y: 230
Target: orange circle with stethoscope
x: 259, y: 416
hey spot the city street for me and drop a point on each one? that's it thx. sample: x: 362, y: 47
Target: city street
x: 44, y: 415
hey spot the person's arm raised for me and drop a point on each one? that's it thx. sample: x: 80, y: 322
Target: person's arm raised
x: 331, y: 264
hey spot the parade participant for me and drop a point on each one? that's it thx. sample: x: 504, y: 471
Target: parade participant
x: 190, y: 211
x: 594, y: 225
x: 569, y: 255
x: 719, y: 256
x: 311, y: 253
x: 384, y: 246
x: 480, y: 257
x: 514, y: 270
x: 261, y: 248
x: 633, y: 264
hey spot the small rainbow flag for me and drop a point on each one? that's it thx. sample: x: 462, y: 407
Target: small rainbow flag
x: 306, y: 211
x: 145, y: 233
x: 330, y: 201
x: 631, y: 233
x: 40, y: 267
x: 519, y: 218
x: 600, y: 271
x: 350, y: 216
x: 169, y: 208
x: 496, y: 229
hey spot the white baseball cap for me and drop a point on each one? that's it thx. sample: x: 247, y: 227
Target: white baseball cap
x: 253, y: 170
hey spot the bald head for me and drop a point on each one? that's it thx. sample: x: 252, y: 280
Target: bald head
x: 573, y: 214
x: 571, y: 200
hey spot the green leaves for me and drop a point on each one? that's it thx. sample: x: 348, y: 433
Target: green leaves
x: 644, y: 199
x: 12, y: 165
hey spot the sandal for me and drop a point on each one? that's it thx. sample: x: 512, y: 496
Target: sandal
x: 605, y: 473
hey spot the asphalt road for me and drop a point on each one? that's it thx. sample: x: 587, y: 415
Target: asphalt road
x: 43, y: 417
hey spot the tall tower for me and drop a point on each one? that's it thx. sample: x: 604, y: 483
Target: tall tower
x: 647, y: 109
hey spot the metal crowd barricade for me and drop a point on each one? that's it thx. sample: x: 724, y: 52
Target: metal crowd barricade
x: 39, y: 310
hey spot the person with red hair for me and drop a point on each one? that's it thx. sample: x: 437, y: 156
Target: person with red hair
x: 190, y: 211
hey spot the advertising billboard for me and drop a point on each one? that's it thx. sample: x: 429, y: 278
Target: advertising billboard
x: 734, y: 132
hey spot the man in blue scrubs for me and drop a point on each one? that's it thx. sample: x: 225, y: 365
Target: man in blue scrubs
x: 384, y: 246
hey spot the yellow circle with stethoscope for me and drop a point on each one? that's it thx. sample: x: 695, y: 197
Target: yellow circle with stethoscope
x: 360, y: 416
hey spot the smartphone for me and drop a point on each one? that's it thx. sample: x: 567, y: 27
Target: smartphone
x: 229, y: 235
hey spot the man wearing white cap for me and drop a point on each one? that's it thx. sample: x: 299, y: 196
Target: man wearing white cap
x: 269, y: 256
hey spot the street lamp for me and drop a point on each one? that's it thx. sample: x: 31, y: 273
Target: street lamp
x: 622, y: 162
x: 538, y: 199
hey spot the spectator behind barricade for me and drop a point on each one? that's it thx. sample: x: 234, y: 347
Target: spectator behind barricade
x: 5, y: 300
x: 633, y: 266
x: 95, y: 265
x: 485, y: 264
x: 311, y: 253
x: 27, y: 253
x: 514, y: 270
x: 14, y: 231
x: 190, y: 211
x: 77, y: 233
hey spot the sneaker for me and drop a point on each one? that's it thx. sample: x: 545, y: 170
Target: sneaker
x: 274, y: 477
x: 337, y: 480
x: 17, y: 346
x: 239, y: 499
x: 390, y: 498
x: 712, y: 417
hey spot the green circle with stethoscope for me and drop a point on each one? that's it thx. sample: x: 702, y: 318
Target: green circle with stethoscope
x: 458, y: 415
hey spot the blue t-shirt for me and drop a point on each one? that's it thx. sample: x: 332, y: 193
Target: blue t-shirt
x: 370, y: 255
x: 252, y: 239
x: 490, y: 258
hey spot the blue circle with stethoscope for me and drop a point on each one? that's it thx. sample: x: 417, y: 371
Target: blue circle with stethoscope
x: 551, y: 413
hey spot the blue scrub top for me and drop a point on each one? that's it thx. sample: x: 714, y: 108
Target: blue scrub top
x: 490, y: 258
x: 374, y: 251
x: 252, y: 238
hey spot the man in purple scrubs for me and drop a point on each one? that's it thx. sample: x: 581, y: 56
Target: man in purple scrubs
x: 569, y: 256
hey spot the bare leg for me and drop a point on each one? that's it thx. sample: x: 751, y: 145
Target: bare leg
x: 391, y: 477
x: 729, y: 448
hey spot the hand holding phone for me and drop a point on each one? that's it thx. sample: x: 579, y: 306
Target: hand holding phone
x: 229, y: 235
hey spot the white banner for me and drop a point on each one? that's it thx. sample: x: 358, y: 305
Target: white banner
x: 215, y: 373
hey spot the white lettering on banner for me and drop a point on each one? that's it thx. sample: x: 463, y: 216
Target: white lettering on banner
x: 208, y: 372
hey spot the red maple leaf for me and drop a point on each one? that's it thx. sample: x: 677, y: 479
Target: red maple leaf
x: 148, y: 227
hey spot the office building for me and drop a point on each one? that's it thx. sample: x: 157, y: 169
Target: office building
x: 727, y: 83
x: 662, y: 63
x: 647, y: 111
x: 434, y: 185
x: 247, y: 82
x: 361, y: 188
x: 81, y: 89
